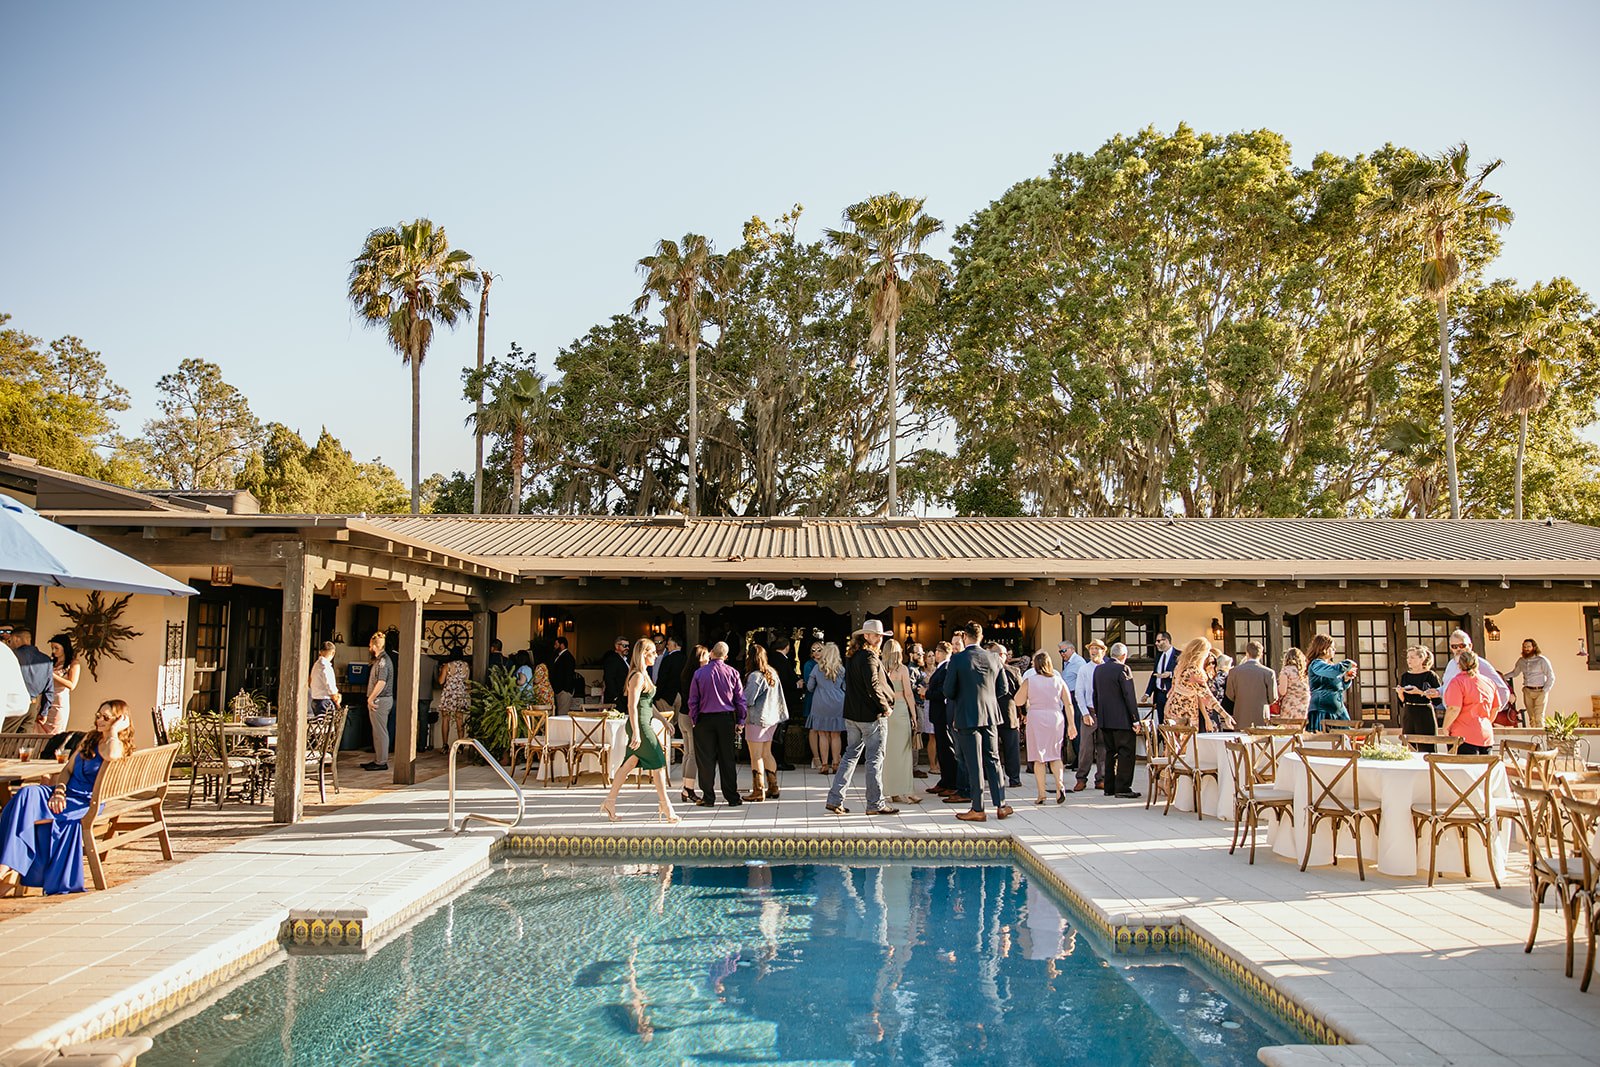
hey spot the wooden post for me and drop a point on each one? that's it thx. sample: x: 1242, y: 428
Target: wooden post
x: 480, y: 645
x: 1272, y: 655
x: 404, y: 757
x: 293, y: 696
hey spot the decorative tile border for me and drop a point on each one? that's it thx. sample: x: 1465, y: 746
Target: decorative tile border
x: 727, y: 847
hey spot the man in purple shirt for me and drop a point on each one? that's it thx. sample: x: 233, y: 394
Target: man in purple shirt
x: 716, y: 707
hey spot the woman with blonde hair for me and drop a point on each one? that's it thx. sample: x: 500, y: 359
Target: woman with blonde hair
x: 763, y: 697
x: 900, y: 746
x: 1192, y: 702
x: 1294, y: 694
x: 644, y: 749
x: 826, y: 721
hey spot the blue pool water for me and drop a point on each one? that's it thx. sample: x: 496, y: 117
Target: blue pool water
x: 555, y: 963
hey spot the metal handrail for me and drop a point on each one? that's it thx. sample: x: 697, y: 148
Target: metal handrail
x: 491, y: 761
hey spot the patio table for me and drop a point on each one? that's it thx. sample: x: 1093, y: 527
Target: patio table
x: 20, y: 772
x: 1395, y: 785
x: 561, y: 730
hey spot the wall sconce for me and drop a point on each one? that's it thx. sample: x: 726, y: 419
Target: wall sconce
x: 222, y: 575
x: 1217, y: 633
x: 942, y: 626
x: 658, y: 629
x: 338, y: 589
x: 1491, y: 630
x: 566, y: 624
x: 1583, y: 648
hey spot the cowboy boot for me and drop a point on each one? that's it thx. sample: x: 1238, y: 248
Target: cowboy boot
x: 756, y: 790
x: 772, y: 784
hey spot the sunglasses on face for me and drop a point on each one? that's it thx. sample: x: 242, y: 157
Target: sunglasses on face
x: 1457, y: 648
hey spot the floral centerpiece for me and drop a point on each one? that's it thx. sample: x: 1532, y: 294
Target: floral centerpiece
x: 1381, y: 748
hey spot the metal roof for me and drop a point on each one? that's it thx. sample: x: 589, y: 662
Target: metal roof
x: 1022, y: 547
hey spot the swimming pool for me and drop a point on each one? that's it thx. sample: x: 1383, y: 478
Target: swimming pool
x: 555, y: 962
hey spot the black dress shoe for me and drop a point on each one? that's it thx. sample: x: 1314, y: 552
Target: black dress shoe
x: 735, y: 802
x: 374, y: 766
x: 1129, y: 796
x: 785, y: 766
x: 706, y: 803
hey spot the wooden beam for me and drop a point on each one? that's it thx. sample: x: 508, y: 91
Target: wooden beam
x: 403, y: 759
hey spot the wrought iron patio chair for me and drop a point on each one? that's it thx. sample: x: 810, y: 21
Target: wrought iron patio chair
x: 214, y: 761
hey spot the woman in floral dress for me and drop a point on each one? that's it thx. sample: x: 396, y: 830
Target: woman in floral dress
x: 1294, y: 692
x: 1191, y: 702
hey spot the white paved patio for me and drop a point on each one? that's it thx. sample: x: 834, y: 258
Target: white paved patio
x: 1411, y: 974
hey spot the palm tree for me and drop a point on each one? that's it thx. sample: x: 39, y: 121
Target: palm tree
x: 687, y: 279
x: 1434, y: 199
x: 1536, y: 339
x: 477, y: 408
x: 407, y: 277
x: 519, y: 409
x: 882, y: 242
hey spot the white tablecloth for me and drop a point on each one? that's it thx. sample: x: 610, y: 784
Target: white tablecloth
x: 1395, y: 785
x: 614, y: 733
x: 1216, y: 794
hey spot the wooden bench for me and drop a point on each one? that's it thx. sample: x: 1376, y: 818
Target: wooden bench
x: 126, y: 806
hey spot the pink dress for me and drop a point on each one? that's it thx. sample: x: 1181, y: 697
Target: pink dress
x: 1294, y: 693
x: 1047, y: 724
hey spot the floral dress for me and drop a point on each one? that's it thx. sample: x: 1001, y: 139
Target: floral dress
x: 456, y: 697
x: 544, y: 695
x: 1191, y: 702
x: 1294, y: 694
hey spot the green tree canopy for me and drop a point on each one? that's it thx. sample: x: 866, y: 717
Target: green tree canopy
x: 289, y: 478
x: 206, y: 430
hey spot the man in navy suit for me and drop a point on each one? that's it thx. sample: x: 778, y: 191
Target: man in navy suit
x: 1160, y: 685
x: 1116, y: 709
x: 969, y: 689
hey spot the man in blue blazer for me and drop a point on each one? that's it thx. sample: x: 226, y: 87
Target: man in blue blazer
x: 969, y: 689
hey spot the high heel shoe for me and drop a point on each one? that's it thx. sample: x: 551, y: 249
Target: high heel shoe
x: 671, y: 818
x: 609, y: 812
x: 689, y: 796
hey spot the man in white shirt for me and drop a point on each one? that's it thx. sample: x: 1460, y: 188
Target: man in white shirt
x: 1091, y: 746
x: 1460, y: 639
x: 14, y: 699
x: 322, y: 683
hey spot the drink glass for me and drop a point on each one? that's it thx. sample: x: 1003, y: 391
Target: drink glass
x: 61, y: 754
x: 25, y: 754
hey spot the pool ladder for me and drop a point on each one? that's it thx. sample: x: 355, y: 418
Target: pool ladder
x: 491, y: 761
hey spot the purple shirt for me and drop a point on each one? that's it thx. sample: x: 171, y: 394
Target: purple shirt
x: 716, y: 689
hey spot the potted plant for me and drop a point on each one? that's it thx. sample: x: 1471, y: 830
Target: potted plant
x: 1561, y: 732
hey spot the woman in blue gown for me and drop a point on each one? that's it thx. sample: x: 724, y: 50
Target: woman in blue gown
x: 51, y: 856
x: 1328, y: 681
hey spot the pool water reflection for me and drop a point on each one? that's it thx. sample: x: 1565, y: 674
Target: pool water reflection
x: 571, y: 963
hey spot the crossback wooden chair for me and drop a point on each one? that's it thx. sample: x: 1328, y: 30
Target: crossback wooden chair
x: 1553, y: 862
x: 1252, y: 794
x: 1276, y: 741
x: 1583, y: 819
x: 1184, y: 754
x: 1320, y: 743
x: 1458, y: 799
x: 1157, y: 761
x: 1432, y: 742
x: 1526, y: 764
x: 1357, y: 733
x: 213, y: 760
x: 533, y: 722
x: 1338, y: 768
x: 589, y: 736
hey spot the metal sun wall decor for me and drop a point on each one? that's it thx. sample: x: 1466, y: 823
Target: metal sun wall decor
x: 97, y: 629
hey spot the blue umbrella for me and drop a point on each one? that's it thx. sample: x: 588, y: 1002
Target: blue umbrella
x: 36, y: 551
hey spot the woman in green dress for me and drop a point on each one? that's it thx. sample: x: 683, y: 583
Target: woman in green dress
x: 643, y: 750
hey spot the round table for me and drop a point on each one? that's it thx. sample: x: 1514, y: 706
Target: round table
x: 561, y: 731
x: 1395, y: 785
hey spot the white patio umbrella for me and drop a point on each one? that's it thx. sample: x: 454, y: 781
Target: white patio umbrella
x: 36, y: 551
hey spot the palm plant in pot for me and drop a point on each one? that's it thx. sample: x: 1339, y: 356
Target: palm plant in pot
x: 1561, y: 731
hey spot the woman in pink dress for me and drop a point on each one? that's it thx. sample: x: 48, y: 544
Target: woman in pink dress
x: 1046, y: 697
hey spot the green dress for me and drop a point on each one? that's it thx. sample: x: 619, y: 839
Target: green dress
x: 648, y: 750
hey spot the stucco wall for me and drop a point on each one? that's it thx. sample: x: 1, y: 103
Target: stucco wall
x: 1557, y: 628
x: 134, y: 681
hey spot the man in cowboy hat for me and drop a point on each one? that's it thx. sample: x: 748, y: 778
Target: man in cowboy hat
x: 868, y: 699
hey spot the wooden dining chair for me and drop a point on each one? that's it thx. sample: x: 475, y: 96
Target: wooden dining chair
x: 1336, y: 768
x: 1157, y: 762
x: 1325, y: 742
x: 589, y: 738
x: 1454, y: 804
x: 1431, y: 742
x: 1529, y: 765
x: 1276, y: 740
x: 536, y: 740
x: 1583, y: 820
x: 1554, y: 863
x: 1184, y: 757
x: 1251, y: 794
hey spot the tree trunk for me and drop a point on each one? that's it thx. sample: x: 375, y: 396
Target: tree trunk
x: 1522, y: 445
x: 518, y: 458
x: 894, y: 404
x: 694, y: 432
x: 477, y: 423
x: 1449, y: 411
x: 416, y: 432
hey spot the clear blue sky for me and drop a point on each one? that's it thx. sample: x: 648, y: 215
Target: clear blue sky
x: 192, y: 180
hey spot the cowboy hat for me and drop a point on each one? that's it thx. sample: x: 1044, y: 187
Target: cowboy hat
x: 872, y: 626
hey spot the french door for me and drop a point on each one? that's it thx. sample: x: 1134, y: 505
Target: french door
x: 1377, y: 640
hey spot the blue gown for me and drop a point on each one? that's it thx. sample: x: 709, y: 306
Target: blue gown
x: 49, y: 857
x: 1328, y: 684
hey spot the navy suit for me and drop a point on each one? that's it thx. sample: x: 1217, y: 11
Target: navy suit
x: 950, y: 776
x: 970, y: 687
x: 1116, y: 709
x: 1158, y: 689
